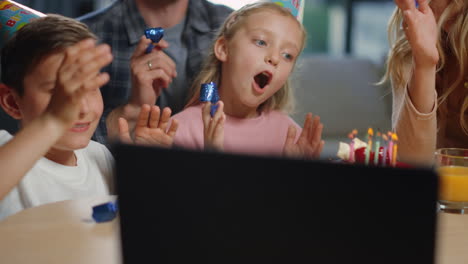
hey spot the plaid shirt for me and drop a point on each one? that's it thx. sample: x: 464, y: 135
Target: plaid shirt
x: 120, y: 25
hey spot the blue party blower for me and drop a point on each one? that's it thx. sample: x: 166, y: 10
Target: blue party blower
x: 155, y: 34
x: 105, y: 212
x: 209, y: 93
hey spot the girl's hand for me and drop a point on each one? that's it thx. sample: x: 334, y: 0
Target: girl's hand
x: 213, y: 127
x: 420, y: 28
x: 309, y: 145
x: 151, y: 128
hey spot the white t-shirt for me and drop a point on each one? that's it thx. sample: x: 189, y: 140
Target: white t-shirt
x: 50, y: 182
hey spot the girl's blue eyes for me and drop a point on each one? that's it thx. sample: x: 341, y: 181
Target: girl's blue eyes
x: 287, y: 56
x: 260, y: 42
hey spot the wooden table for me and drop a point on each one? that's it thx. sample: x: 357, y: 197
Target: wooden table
x: 452, y: 239
x: 64, y: 232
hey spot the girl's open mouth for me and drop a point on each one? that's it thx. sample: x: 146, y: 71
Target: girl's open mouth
x: 263, y: 79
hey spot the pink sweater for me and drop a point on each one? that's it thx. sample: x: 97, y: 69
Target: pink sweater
x: 262, y: 135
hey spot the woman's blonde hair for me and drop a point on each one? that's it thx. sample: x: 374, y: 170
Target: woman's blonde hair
x: 211, y: 70
x: 454, y: 41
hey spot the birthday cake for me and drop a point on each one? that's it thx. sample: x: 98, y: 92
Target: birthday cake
x: 380, y: 149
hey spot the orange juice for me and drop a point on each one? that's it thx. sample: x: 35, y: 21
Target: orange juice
x: 453, y: 183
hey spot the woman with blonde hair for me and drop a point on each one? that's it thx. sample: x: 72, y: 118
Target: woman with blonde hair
x: 427, y: 67
x: 251, y: 60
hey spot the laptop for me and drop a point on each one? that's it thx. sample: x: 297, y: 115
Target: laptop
x: 182, y: 206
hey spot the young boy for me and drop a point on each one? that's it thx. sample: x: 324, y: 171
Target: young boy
x: 51, y: 78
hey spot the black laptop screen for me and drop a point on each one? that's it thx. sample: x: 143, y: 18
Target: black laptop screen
x: 181, y: 206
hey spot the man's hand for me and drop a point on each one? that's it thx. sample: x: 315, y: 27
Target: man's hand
x: 150, y: 72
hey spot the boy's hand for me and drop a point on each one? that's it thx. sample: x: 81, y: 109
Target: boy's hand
x: 213, y: 127
x: 150, y: 72
x: 150, y: 128
x: 309, y: 145
x: 420, y: 28
x: 78, y: 75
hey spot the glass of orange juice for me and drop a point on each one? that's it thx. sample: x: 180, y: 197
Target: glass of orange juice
x: 452, y: 168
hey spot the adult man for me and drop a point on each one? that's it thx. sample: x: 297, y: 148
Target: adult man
x: 189, y: 28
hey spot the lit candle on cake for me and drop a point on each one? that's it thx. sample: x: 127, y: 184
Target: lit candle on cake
x: 377, y: 147
x: 395, y: 148
x: 384, y: 154
x: 370, y: 134
x: 390, y: 148
x: 352, y: 135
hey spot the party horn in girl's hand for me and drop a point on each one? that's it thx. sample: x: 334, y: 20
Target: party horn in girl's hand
x: 209, y: 93
x: 155, y: 34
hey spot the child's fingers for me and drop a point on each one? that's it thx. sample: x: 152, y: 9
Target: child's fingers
x: 218, y: 114
x: 97, y: 82
x: 290, y: 136
x: 319, y: 149
x: 74, y: 72
x: 173, y: 128
x: 313, y: 128
x: 211, y: 124
x: 91, y: 61
x: 73, y: 51
x: 124, y: 132
x: 143, y: 116
x: 317, y: 136
x: 206, y: 117
x: 80, y: 51
x: 218, y: 130
x: 154, y: 117
x: 165, y: 116
x: 305, y: 134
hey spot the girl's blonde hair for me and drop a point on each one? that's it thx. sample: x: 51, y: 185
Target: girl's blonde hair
x: 211, y: 70
x: 454, y: 41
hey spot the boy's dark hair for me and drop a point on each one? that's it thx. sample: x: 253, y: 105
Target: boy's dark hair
x: 37, y: 39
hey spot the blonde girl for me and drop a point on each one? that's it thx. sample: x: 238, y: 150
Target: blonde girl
x: 251, y: 60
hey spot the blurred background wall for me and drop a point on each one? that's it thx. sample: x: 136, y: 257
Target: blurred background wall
x: 335, y: 76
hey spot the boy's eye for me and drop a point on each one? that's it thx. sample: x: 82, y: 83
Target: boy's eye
x: 260, y: 42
